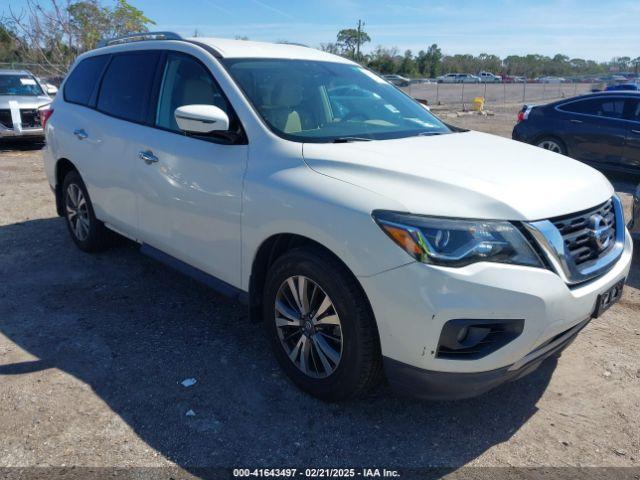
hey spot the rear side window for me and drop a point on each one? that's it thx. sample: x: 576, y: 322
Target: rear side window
x: 83, y: 79
x: 601, y: 107
x: 126, y: 86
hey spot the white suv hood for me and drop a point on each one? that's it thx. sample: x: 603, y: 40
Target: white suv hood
x: 465, y: 175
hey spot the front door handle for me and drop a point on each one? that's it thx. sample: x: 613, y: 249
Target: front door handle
x: 147, y: 156
x: 574, y: 120
x: 80, y: 133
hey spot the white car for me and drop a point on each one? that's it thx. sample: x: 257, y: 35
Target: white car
x: 488, y: 77
x: 458, y: 78
x: 23, y: 103
x: 397, y: 80
x: 551, y: 79
x: 374, y: 239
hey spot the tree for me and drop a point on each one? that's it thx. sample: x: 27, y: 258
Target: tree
x: 349, y: 40
x: 53, y: 33
x: 430, y: 62
x: 384, y: 60
x: 408, y: 65
x: 330, y: 47
x: 8, y: 45
x: 88, y: 22
x: 125, y: 19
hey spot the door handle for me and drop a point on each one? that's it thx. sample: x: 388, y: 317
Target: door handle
x: 80, y: 133
x: 574, y: 120
x: 147, y: 156
x: 635, y: 131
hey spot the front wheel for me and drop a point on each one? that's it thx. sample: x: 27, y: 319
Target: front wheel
x: 320, y: 325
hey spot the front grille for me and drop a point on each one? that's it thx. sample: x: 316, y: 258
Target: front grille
x: 588, y: 235
x: 30, y: 118
x: 5, y: 118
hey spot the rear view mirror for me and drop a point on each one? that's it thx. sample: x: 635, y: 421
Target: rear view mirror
x: 201, y: 118
x: 50, y: 89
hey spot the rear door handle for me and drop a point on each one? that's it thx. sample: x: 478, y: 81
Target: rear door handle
x: 575, y: 120
x: 147, y: 156
x: 80, y: 133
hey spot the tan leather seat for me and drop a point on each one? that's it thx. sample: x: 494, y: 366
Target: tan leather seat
x: 282, y: 113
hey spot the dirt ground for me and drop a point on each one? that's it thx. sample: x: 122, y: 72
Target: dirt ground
x: 93, y: 349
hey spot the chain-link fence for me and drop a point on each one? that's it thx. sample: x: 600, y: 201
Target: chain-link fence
x: 461, y: 95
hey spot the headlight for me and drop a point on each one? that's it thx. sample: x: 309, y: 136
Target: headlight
x: 455, y: 243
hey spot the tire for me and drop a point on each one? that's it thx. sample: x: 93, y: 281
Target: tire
x: 87, y: 232
x: 358, y: 366
x: 552, y: 144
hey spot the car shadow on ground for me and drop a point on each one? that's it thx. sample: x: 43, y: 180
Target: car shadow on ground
x: 622, y: 182
x: 12, y: 145
x: 132, y: 329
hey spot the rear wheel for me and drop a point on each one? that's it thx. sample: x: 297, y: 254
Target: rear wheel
x: 552, y: 144
x: 87, y: 232
x: 320, y: 326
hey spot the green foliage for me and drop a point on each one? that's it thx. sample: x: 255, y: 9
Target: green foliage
x: 47, y: 33
x: 8, y: 45
x: 431, y: 62
x: 349, y: 39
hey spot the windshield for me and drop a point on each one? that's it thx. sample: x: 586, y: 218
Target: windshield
x: 311, y: 101
x: 16, y: 84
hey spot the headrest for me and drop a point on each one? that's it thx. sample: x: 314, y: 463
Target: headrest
x: 287, y: 93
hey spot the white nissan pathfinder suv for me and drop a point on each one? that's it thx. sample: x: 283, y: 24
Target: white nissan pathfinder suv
x: 363, y: 232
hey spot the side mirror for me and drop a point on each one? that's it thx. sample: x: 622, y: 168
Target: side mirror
x: 51, y: 89
x: 201, y: 118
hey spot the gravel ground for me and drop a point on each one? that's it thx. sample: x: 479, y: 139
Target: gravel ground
x: 93, y: 349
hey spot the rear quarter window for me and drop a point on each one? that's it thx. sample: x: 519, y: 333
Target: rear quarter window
x: 83, y: 79
x: 126, y: 85
x: 600, y: 107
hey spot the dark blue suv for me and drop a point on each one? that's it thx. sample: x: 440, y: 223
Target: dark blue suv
x: 602, y: 129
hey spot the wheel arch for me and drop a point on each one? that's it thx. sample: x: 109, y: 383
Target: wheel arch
x: 273, y: 248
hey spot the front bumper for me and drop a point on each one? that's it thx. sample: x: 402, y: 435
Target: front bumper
x: 24, y: 133
x: 426, y: 384
x: 412, y: 303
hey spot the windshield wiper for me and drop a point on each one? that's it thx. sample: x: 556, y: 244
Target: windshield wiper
x: 350, y: 139
x: 429, y: 134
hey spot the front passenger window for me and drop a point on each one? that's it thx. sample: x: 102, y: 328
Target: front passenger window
x: 186, y: 82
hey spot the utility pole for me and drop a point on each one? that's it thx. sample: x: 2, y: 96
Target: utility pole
x: 359, y: 39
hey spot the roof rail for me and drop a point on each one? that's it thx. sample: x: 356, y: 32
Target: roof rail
x: 286, y: 42
x: 138, y: 37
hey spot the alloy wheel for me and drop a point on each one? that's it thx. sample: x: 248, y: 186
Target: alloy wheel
x: 308, y: 327
x: 77, y: 212
x: 550, y: 145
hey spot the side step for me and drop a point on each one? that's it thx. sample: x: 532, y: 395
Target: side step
x: 209, y: 280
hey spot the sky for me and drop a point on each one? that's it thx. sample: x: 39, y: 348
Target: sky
x: 589, y: 29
